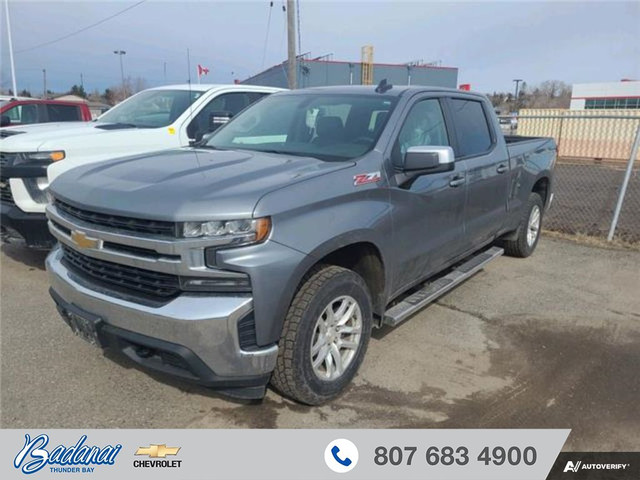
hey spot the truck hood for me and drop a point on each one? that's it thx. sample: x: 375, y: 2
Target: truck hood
x: 186, y: 184
x: 49, y: 135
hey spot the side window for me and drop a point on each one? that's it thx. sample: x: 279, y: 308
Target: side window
x: 228, y: 102
x: 472, y: 129
x: 63, y: 113
x: 23, y: 114
x: 424, y: 126
x: 14, y: 113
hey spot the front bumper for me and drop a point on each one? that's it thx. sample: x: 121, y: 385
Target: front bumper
x: 192, y: 336
x: 24, y: 228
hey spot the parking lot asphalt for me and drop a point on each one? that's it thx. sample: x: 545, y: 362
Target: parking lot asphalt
x: 552, y: 341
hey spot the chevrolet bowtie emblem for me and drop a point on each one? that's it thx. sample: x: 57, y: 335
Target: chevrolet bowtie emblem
x: 82, y: 241
x: 157, y: 451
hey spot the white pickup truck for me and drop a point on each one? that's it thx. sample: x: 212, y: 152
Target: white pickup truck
x: 153, y: 120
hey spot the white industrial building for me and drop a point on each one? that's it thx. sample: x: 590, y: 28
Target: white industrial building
x: 598, y: 96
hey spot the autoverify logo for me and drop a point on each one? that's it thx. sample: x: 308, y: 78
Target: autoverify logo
x: 77, y: 458
x: 577, y: 466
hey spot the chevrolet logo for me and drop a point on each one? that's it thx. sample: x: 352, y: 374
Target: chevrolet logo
x: 82, y: 241
x: 157, y: 451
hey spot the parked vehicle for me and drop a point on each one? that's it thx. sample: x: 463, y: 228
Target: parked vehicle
x: 269, y: 252
x: 152, y: 120
x: 25, y: 111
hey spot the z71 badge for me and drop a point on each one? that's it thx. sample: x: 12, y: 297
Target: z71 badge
x: 364, y: 178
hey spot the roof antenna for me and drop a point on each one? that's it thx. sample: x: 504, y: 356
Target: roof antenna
x: 383, y: 86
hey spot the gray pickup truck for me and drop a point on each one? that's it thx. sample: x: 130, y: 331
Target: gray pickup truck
x: 270, y: 251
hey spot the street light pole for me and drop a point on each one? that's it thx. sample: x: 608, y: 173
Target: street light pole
x: 44, y: 83
x: 517, y: 81
x: 120, y: 53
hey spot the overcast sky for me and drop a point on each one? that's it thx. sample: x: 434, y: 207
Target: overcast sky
x: 490, y: 42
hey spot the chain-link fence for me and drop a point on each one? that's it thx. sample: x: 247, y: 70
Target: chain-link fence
x: 594, y: 152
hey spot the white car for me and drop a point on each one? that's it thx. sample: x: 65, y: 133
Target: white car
x: 155, y: 119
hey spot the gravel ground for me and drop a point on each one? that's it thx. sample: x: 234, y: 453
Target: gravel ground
x: 549, y: 341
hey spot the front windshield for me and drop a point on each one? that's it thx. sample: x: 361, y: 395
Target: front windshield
x: 329, y: 127
x: 151, y: 108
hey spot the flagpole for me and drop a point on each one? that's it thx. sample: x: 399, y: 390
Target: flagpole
x: 13, y: 67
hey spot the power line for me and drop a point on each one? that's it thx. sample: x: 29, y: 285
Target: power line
x: 264, y: 51
x: 82, y: 29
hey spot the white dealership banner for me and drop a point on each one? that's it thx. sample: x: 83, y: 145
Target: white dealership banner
x: 281, y: 454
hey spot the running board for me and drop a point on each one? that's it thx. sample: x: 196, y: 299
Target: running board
x: 420, y: 299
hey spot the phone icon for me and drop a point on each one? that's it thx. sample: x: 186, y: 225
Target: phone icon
x: 334, y: 451
x: 341, y: 455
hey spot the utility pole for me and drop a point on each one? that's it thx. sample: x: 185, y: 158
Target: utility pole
x: 515, y: 99
x: 13, y: 66
x: 44, y: 83
x: 120, y: 53
x: 81, y: 82
x: 291, y: 38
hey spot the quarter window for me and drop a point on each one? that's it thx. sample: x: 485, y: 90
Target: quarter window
x: 472, y: 129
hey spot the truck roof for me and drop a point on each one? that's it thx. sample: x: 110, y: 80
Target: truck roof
x: 205, y: 87
x: 396, y: 90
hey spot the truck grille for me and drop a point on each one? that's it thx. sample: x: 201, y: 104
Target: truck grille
x: 5, y: 191
x: 156, y: 285
x: 114, y: 221
x: 7, y: 158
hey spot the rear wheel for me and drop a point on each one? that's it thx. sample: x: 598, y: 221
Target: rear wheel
x: 528, y: 232
x: 325, y: 335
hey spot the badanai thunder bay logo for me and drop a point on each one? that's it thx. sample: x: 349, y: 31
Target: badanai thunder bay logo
x: 78, y: 458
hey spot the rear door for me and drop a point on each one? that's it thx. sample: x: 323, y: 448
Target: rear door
x: 487, y: 169
x: 428, y: 210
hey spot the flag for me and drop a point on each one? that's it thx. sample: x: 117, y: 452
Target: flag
x: 202, y: 70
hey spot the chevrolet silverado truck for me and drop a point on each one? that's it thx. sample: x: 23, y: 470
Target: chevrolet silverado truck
x: 269, y: 252
x: 156, y: 119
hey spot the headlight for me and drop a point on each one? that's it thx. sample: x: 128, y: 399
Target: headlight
x: 233, y: 232
x: 39, y: 157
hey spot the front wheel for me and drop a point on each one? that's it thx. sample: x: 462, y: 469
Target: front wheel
x: 325, y: 335
x: 528, y: 232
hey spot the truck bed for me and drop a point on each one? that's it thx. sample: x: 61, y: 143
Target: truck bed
x: 519, y: 145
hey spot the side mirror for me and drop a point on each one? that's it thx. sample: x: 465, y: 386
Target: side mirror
x: 428, y: 159
x: 217, y: 119
x: 5, y: 121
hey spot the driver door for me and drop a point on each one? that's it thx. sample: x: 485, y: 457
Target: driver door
x: 428, y: 209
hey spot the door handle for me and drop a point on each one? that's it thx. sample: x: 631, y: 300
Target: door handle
x: 502, y: 168
x: 457, y: 181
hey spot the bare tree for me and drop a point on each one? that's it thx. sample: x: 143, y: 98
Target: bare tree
x: 548, y: 94
x: 130, y: 86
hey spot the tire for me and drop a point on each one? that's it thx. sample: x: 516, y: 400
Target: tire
x: 324, y: 289
x: 529, y: 228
